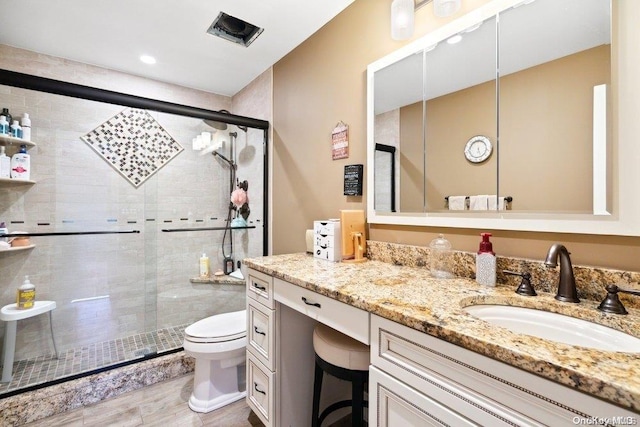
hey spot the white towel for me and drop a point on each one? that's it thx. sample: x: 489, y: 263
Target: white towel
x: 495, y: 203
x: 457, y: 203
x: 478, y: 203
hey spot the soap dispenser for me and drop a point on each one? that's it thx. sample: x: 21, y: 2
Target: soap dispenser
x: 486, y: 262
x: 26, y: 295
x: 440, y: 258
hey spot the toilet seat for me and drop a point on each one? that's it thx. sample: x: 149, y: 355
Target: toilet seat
x: 218, y: 328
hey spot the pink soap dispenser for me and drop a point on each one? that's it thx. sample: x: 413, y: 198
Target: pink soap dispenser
x: 486, y: 262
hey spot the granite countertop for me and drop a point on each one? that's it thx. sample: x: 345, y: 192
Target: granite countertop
x: 410, y: 296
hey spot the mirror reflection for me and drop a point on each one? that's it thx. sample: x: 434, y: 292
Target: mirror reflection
x: 530, y: 93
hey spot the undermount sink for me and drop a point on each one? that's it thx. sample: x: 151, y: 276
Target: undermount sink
x: 555, y: 327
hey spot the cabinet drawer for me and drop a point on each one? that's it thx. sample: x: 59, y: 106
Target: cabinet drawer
x: 393, y: 403
x: 427, y: 363
x: 260, y: 334
x: 260, y: 287
x: 260, y: 391
x: 342, y: 317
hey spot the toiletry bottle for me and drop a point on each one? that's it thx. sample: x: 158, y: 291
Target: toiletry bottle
x: 4, y: 126
x: 204, y: 266
x: 228, y: 265
x: 486, y: 262
x: 26, y: 127
x: 5, y: 112
x: 3, y: 230
x: 5, y: 164
x: 16, y: 130
x: 26, y: 295
x: 21, y: 164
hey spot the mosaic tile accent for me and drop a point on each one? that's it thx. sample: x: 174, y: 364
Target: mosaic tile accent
x: 46, y: 368
x: 134, y: 144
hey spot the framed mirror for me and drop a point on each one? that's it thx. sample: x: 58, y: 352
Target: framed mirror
x: 587, y: 198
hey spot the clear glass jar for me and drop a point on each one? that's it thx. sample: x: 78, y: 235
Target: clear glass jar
x: 441, y: 258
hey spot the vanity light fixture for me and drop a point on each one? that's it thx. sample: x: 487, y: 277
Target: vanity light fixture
x: 148, y: 59
x: 402, y: 17
x: 403, y: 13
x: 445, y: 8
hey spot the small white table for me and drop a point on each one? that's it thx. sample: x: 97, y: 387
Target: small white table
x: 11, y: 314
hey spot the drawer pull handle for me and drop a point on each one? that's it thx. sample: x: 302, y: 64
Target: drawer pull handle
x: 262, y: 288
x: 255, y: 387
x: 255, y: 328
x: 315, y: 304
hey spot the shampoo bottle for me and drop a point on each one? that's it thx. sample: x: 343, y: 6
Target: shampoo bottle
x: 3, y: 230
x: 4, y: 125
x: 204, y: 266
x: 5, y: 164
x: 26, y: 295
x: 5, y: 112
x: 26, y: 127
x: 486, y: 262
x: 21, y: 164
x: 16, y: 130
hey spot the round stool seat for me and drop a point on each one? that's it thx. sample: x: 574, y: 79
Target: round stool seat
x: 339, y: 349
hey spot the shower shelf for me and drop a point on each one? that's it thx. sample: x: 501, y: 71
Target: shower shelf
x: 14, y: 181
x: 174, y: 230
x: 17, y: 248
x: 7, y: 141
x: 218, y: 280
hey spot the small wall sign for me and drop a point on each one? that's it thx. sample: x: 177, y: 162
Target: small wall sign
x: 353, y: 180
x: 340, y: 141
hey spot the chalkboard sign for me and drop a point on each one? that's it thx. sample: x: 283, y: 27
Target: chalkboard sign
x: 353, y: 180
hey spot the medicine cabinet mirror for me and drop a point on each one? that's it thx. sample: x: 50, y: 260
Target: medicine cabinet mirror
x: 538, y: 80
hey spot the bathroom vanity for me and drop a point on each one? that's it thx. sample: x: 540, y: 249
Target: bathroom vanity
x: 431, y: 362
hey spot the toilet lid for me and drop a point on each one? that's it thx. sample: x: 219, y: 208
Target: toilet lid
x: 218, y: 328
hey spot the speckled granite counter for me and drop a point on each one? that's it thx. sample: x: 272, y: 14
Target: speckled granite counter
x: 408, y: 295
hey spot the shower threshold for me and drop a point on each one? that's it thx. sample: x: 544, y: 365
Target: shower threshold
x: 43, y: 370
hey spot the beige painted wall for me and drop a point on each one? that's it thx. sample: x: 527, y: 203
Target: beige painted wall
x: 322, y: 82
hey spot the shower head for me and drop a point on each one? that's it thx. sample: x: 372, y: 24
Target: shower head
x: 231, y: 164
x: 215, y: 124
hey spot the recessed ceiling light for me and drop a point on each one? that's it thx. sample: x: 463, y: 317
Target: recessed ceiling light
x: 454, y: 39
x: 148, y: 59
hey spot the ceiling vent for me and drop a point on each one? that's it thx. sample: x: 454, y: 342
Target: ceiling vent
x: 233, y: 29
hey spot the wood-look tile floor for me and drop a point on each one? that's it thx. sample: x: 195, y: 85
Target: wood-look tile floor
x: 163, y: 404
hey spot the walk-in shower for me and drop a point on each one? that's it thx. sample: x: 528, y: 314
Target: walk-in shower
x: 117, y: 225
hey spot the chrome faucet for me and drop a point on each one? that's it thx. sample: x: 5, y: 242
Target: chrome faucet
x: 567, y: 283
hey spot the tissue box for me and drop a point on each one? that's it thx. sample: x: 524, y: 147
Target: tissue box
x: 326, y: 242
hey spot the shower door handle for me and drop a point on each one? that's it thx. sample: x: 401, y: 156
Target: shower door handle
x: 315, y: 304
x: 255, y: 387
x: 255, y: 328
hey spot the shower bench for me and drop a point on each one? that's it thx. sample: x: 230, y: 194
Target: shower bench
x: 11, y: 314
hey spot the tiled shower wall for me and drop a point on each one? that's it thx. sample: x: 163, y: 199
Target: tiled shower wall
x: 146, y: 276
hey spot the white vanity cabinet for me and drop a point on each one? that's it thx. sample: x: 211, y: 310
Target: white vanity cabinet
x: 420, y: 380
x: 281, y: 317
x: 261, y: 341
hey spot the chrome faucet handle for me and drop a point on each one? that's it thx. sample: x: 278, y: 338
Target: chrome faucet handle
x: 525, y: 287
x: 611, y: 303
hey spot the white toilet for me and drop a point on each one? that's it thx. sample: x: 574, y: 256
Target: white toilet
x: 218, y: 344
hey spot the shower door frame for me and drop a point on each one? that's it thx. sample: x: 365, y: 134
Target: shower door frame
x: 59, y: 87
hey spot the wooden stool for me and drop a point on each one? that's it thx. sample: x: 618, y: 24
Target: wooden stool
x: 344, y: 358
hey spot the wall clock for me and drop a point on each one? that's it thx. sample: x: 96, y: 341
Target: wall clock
x: 478, y: 149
